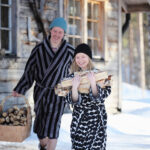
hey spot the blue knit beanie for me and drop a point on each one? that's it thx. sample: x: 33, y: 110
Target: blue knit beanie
x: 59, y: 22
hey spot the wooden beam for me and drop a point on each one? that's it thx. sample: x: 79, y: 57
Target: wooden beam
x: 138, y: 8
x: 85, y: 8
x: 124, y: 7
x: 61, y: 8
x: 105, y: 32
x: 119, y: 55
x: 101, y: 0
x: 148, y: 2
x: 131, y: 43
x: 141, y: 47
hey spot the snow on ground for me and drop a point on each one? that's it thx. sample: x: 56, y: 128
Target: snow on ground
x: 128, y: 130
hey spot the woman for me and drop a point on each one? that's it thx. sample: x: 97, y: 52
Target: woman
x: 47, y: 65
x: 89, y: 122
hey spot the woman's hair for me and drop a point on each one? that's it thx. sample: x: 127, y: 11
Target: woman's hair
x: 75, y: 68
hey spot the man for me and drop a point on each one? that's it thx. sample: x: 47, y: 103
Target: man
x: 47, y: 65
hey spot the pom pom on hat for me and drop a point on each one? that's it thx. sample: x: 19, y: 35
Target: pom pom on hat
x: 59, y: 22
x: 83, y: 48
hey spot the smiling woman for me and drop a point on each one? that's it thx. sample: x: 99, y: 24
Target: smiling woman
x: 89, y: 117
x: 83, y: 53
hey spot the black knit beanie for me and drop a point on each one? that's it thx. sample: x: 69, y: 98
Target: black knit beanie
x: 83, y: 48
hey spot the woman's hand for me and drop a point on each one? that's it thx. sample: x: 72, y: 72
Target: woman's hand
x: 76, y: 82
x: 75, y: 85
x: 92, y: 80
x: 15, y: 94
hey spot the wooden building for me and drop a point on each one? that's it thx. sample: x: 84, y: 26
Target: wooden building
x: 96, y: 22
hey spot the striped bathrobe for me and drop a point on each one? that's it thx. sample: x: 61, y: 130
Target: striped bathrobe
x: 46, y: 68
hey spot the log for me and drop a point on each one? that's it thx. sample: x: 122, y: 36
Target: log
x: 2, y: 120
x: 84, y: 88
x: 14, y: 116
x: 98, y: 76
x: 63, y: 88
x: 10, y: 110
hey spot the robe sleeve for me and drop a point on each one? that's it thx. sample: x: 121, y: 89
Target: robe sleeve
x: 28, y: 76
x: 103, y: 93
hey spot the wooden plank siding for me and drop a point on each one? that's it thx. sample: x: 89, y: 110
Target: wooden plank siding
x: 135, y: 6
x: 12, y: 68
x: 111, y: 37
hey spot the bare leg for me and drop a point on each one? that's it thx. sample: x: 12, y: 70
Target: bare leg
x: 51, y: 144
x: 43, y: 142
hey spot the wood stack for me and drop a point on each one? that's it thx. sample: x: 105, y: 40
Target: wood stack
x: 14, y: 116
x: 15, y: 119
x: 63, y: 88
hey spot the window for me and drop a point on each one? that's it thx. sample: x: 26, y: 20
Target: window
x: 85, y: 24
x: 7, y: 26
x: 74, y: 22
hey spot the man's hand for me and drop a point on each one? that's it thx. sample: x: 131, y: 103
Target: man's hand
x: 15, y: 94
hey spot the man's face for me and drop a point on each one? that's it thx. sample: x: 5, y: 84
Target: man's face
x: 57, y: 34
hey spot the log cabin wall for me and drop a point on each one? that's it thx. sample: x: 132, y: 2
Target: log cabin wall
x: 28, y: 36
x: 112, y: 52
x: 12, y: 67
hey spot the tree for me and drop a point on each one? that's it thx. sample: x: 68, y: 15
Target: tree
x: 37, y: 7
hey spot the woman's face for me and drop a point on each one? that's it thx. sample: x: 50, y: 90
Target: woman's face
x: 57, y: 35
x: 82, y: 60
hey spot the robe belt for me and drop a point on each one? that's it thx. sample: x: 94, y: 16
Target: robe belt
x: 92, y: 106
x: 43, y: 87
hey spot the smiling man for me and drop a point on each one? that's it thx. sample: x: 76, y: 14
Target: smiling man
x: 47, y: 65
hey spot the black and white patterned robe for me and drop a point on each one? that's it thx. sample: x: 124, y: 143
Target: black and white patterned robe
x: 46, y: 68
x: 89, y: 120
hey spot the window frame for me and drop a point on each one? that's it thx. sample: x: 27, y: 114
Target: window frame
x: 12, y: 28
x: 84, y: 23
x: 75, y: 18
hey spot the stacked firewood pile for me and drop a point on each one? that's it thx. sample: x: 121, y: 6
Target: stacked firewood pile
x: 102, y: 79
x: 14, y: 116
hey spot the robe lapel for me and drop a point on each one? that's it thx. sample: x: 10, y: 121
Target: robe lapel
x: 48, y: 48
x: 56, y: 61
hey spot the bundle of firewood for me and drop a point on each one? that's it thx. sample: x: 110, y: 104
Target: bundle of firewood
x: 14, y: 116
x: 63, y: 88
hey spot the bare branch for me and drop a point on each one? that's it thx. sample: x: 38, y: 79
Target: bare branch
x: 34, y: 8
